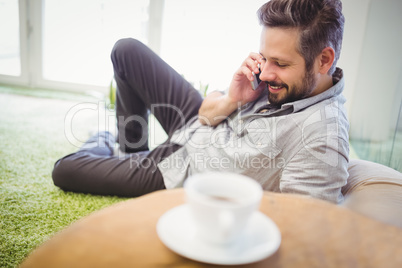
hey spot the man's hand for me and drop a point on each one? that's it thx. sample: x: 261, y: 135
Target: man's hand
x: 240, y: 89
x: 217, y: 107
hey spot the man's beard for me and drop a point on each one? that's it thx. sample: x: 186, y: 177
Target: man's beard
x: 297, y: 92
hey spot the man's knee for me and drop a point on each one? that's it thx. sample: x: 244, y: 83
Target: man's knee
x: 127, y: 43
x: 126, y: 47
x: 124, y: 51
x: 63, y: 172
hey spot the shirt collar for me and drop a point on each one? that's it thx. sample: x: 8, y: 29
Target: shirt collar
x: 335, y: 90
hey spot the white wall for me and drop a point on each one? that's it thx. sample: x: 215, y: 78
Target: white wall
x: 355, y: 12
x: 372, y: 61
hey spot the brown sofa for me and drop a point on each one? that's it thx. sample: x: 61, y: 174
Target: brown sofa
x: 374, y: 190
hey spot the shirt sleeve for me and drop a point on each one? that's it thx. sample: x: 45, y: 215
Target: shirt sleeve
x: 318, y: 169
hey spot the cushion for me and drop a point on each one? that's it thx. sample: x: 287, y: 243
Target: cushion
x: 374, y: 190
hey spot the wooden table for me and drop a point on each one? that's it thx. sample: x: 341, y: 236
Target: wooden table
x: 314, y: 234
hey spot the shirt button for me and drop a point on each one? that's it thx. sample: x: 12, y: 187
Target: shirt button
x: 241, y: 122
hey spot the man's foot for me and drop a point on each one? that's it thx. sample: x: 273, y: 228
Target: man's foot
x: 101, y: 143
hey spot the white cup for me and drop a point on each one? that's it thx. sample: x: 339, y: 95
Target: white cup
x: 221, y: 204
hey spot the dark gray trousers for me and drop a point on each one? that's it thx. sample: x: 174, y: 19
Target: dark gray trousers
x: 145, y: 83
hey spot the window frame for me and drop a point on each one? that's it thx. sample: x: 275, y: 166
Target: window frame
x: 30, y: 32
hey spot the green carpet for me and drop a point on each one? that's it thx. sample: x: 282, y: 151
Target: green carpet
x: 32, y: 138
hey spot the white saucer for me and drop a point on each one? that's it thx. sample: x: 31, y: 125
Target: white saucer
x: 261, y: 239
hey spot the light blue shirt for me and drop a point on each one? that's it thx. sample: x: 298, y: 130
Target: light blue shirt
x: 301, y: 147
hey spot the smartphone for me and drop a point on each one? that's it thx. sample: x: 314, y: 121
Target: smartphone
x: 256, y: 81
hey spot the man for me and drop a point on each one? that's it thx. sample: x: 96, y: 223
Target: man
x: 290, y: 133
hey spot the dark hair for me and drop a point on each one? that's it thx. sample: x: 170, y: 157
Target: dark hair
x: 320, y: 23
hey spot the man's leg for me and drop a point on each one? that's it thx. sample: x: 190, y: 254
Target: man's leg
x: 146, y: 83
x: 93, y: 169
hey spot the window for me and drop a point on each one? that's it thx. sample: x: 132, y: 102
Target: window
x: 78, y: 37
x: 9, y: 38
x: 207, y: 40
x: 67, y: 44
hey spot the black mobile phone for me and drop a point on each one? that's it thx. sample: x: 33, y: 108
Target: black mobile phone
x: 256, y: 81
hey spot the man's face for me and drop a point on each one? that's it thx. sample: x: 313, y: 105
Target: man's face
x: 283, y: 68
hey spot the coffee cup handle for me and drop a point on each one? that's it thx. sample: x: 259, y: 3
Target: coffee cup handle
x: 226, y: 222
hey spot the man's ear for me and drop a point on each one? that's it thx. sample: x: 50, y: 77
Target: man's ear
x: 326, y: 59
